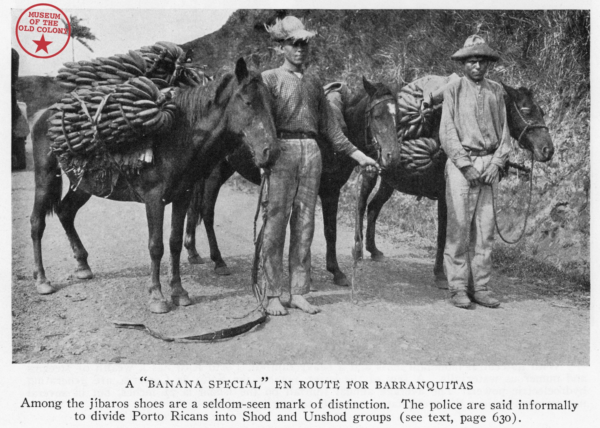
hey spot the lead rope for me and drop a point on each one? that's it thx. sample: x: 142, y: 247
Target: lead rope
x: 358, y: 242
x: 259, y: 292
x: 526, y: 212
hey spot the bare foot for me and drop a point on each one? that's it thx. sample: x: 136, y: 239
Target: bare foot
x: 300, y: 302
x: 274, y: 307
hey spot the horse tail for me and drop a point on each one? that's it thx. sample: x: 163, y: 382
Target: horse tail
x: 54, y: 194
x: 48, y: 176
x: 197, y: 198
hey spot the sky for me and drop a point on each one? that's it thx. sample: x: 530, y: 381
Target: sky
x: 119, y: 30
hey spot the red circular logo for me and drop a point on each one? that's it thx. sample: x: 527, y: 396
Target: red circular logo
x: 43, y: 30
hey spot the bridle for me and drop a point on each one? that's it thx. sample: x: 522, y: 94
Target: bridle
x: 372, y: 142
x: 528, y: 126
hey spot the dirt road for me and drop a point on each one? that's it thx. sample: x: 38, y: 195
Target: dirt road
x: 398, y: 316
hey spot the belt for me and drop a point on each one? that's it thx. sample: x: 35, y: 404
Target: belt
x: 478, y: 153
x: 285, y: 135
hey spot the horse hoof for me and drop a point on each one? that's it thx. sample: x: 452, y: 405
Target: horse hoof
x: 222, y: 270
x: 441, y: 283
x: 341, y: 280
x: 182, y: 300
x: 159, y: 307
x: 195, y: 260
x: 84, y: 274
x: 357, y: 255
x: 45, y: 288
x: 378, y: 257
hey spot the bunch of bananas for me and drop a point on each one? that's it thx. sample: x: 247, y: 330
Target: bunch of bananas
x: 418, y: 155
x: 114, y: 70
x: 164, y: 63
x: 111, y: 115
x: 167, y: 61
x: 415, y: 114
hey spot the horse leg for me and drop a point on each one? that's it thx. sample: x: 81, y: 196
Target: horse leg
x: 381, y: 197
x: 211, y: 191
x: 179, y: 296
x: 155, y: 214
x: 438, y: 270
x: 66, y: 211
x: 368, y: 183
x: 193, y: 218
x: 48, y: 188
x: 329, y: 202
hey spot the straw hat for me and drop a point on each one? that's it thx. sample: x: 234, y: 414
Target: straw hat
x: 289, y: 27
x: 475, y: 46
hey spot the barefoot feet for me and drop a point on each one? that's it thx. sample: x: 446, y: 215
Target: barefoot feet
x: 276, y: 308
x: 300, y: 302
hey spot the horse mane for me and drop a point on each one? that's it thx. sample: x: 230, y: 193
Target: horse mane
x: 381, y: 90
x: 194, y: 103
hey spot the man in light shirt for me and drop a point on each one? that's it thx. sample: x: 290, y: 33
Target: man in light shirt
x: 301, y: 113
x: 474, y: 134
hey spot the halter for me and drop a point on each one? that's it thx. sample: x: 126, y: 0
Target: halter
x: 372, y: 142
x: 528, y: 125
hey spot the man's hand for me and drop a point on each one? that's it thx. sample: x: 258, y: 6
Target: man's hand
x: 365, y: 161
x: 472, y: 175
x: 491, y: 175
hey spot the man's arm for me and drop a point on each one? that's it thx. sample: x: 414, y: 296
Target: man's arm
x: 331, y: 130
x: 492, y: 172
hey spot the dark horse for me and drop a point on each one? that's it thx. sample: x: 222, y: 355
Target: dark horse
x: 526, y: 123
x: 371, y: 122
x: 237, y: 107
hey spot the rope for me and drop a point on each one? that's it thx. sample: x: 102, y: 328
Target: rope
x: 207, y: 337
x: 528, y: 126
x: 358, y: 242
x: 260, y: 292
x: 526, y: 212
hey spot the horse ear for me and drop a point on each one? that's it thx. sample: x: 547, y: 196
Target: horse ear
x: 369, y: 87
x: 241, y: 71
x: 512, y: 93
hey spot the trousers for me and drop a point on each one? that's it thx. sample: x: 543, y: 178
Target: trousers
x: 470, y: 229
x: 293, y: 191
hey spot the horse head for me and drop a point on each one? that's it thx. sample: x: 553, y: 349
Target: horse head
x: 249, y: 115
x: 526, y: 123
x: 380, y: 117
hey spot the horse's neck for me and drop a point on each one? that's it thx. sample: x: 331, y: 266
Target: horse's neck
x: 512, y: 118
x: 355, y: 120
x: 210, y: 143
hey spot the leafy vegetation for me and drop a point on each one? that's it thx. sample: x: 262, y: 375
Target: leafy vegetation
x: 79, y: 32
x: 546, y: 50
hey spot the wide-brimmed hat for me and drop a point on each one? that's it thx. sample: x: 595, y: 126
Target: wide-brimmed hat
x: 289, y: 27
x: 475, y: 46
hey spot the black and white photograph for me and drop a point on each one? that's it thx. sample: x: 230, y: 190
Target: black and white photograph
x: 358, y: 189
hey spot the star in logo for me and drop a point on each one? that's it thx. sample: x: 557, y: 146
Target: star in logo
x: 42, y: 44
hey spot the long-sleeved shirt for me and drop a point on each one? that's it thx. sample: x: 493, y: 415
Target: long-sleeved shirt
x: 300, y: 106
x: 474, y: 118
